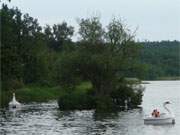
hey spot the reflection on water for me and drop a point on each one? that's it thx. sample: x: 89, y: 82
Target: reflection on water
x: 47, y: 119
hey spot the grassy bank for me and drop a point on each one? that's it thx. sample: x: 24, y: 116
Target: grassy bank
x: 79, y: 98
x: 35, y: 93
x: 31, y: 94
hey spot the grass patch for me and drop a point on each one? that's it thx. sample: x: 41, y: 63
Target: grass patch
x: 31, y: 94
x: 38, y: 94
x: 84, y: 86
x: 80, y: 98
x: 35, y: 93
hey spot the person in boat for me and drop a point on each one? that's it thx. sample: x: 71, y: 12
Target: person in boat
x: 156, y: 113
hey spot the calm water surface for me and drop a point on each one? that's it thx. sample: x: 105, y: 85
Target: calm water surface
x: 46, y: 119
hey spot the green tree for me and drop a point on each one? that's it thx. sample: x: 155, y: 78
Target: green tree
x: 91, y: 30
x: 11, y: 62
x: 93, y: 61
x: 62, y: 34
x: 23, y: 49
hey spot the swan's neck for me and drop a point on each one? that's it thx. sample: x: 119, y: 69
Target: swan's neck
x: 14, y: 97
x: 168, y: 110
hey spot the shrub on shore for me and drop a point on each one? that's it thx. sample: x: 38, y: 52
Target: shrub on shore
x: 84, y: 98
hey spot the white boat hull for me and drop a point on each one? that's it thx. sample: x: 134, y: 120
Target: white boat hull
x: 163, y: 118
x: 159, y: 121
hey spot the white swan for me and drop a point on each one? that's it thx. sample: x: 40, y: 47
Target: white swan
x: 14, y: 103
x: 164, y: 118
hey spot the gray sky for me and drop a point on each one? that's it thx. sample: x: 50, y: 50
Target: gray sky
x: 155, y: 19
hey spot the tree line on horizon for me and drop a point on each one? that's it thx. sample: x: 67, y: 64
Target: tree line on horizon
x: 162, y: 59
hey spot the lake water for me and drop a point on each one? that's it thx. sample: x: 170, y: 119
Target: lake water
x: 46, y: 119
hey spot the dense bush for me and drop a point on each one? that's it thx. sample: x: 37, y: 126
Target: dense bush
x: 76, y: 100
x: 134, y: 97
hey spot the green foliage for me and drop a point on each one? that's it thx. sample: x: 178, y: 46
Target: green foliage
x: 47, y: 57
x: 38, y: 94
x: 91, y: 30
x: 58, y: 36
x: 81, y: 97
x: 118, y: 34
x: 25, y: 56
x: 101, y: 65
x: 161, y: 58
x: 31, y: 93
x: 104, y: 104
x: 11, y: 67
x: 126, y: 92
x: 73, y: 100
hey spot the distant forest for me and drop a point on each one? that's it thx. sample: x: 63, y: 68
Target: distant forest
x: 162, y: 59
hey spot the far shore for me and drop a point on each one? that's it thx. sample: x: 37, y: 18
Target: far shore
x: 161, y: 79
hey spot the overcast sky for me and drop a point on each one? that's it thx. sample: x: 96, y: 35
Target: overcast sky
x: 155, y: 19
